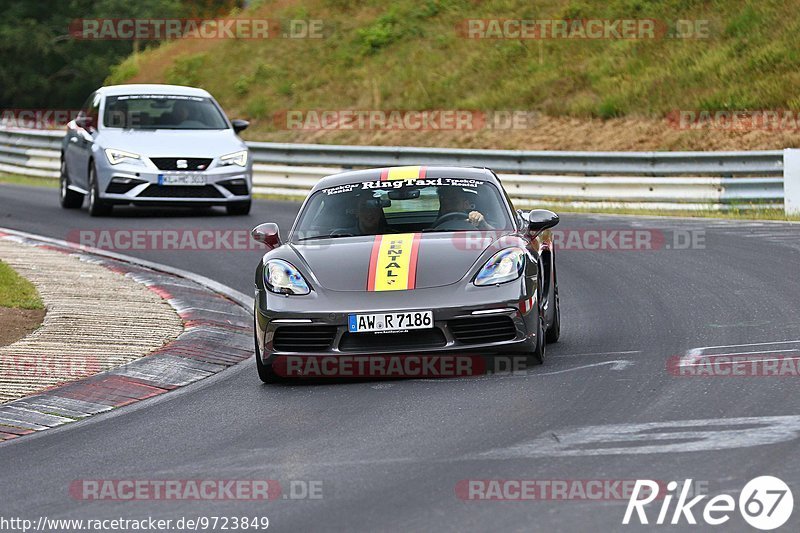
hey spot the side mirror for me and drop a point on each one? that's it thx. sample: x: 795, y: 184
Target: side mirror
x: 541, y: 219
x: 267, y: 234
x: 239, y: 125
x: 84, y: 122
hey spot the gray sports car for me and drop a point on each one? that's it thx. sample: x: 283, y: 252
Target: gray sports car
x: 398, y: 271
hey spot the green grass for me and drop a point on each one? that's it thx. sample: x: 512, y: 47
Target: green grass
x: 16, y: 291
x: 410, y: 56
x: 28, y: 180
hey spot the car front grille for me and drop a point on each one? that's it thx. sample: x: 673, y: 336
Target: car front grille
x: 303, y: 338
x: 418, y: 338
x: 171, y: 163
x: 180, y: 191
x: 484, y: 329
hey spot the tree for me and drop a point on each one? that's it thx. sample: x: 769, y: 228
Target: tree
x: 42, y: 66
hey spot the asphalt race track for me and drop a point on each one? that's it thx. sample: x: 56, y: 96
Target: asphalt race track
x: 390, y: 454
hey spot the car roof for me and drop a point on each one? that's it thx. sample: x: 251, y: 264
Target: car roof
x: 151, y: 88
x: 372, y: 174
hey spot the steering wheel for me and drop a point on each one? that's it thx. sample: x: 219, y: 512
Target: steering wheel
x: 342, y: 231
x: 447, y: 217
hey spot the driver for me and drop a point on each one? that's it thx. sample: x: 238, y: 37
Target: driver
x: 182, y: 112
x: 455, y: 200
x: 370, y: 217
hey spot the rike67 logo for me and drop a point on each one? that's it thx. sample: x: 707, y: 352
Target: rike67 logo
x: 765, y: 503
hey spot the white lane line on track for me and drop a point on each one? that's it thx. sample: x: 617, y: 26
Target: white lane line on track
x: 625, y: 352
x: 618, y: 364
x: 728, y: 354
x: 672, y: 436
x: 739, y: 362
x: 694, y: 354
x: 703, y: 348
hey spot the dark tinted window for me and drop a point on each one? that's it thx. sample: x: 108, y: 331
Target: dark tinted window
x: 382, y: 207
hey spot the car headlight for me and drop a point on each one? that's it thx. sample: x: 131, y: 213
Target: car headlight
x: 118, y: 156
x: 236, y: 158
x: 504, y: 266
x: 281, y: 277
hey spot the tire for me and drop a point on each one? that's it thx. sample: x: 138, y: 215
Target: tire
x: 239, y: 208
x: 537, y: 356
x: 554, y: 331
x: 97, y: 207
x: 69, y: 198
x: 265, y: 372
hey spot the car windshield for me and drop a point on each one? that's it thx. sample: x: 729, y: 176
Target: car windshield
x: 173, y: 112
x: 382, y: 207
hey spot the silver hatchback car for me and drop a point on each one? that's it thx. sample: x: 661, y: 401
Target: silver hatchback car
x: 154, y: 145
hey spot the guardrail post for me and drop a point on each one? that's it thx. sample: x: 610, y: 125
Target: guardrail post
x: 791, y: 181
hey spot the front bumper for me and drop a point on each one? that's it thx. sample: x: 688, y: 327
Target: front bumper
x: 478, y: 321
x: 222, y: 185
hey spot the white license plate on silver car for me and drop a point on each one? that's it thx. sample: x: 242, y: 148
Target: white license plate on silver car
x: 186, y: 178
x: 399, y: 321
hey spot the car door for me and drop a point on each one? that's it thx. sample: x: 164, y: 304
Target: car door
x: 73, y: 138
x: 80, y: 141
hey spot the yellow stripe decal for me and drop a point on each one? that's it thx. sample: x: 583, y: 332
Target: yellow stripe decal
x: 403, y: 173
x: 394, y: 266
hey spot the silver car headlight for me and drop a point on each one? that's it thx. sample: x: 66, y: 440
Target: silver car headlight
x: 236, y: 158
x: 282, y: 277
x: 504, y: 266
x: 121, y: 156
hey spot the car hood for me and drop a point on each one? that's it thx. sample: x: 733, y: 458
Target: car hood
x: 173, y: 143
x: 346, y: 264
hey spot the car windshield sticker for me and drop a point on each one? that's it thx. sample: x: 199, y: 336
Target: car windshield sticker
x: 158, y: 97
x: 393, y: 262
x: 403, y: 173
x: 398, y: 183
x: 347, y: 187
x: 421, y: 182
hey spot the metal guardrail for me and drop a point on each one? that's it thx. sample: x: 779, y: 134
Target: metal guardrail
x: 767, y: 163
x: 658, y: 180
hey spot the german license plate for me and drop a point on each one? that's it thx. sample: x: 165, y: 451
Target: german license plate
x: 399, y: 321
x: 186, y: 178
